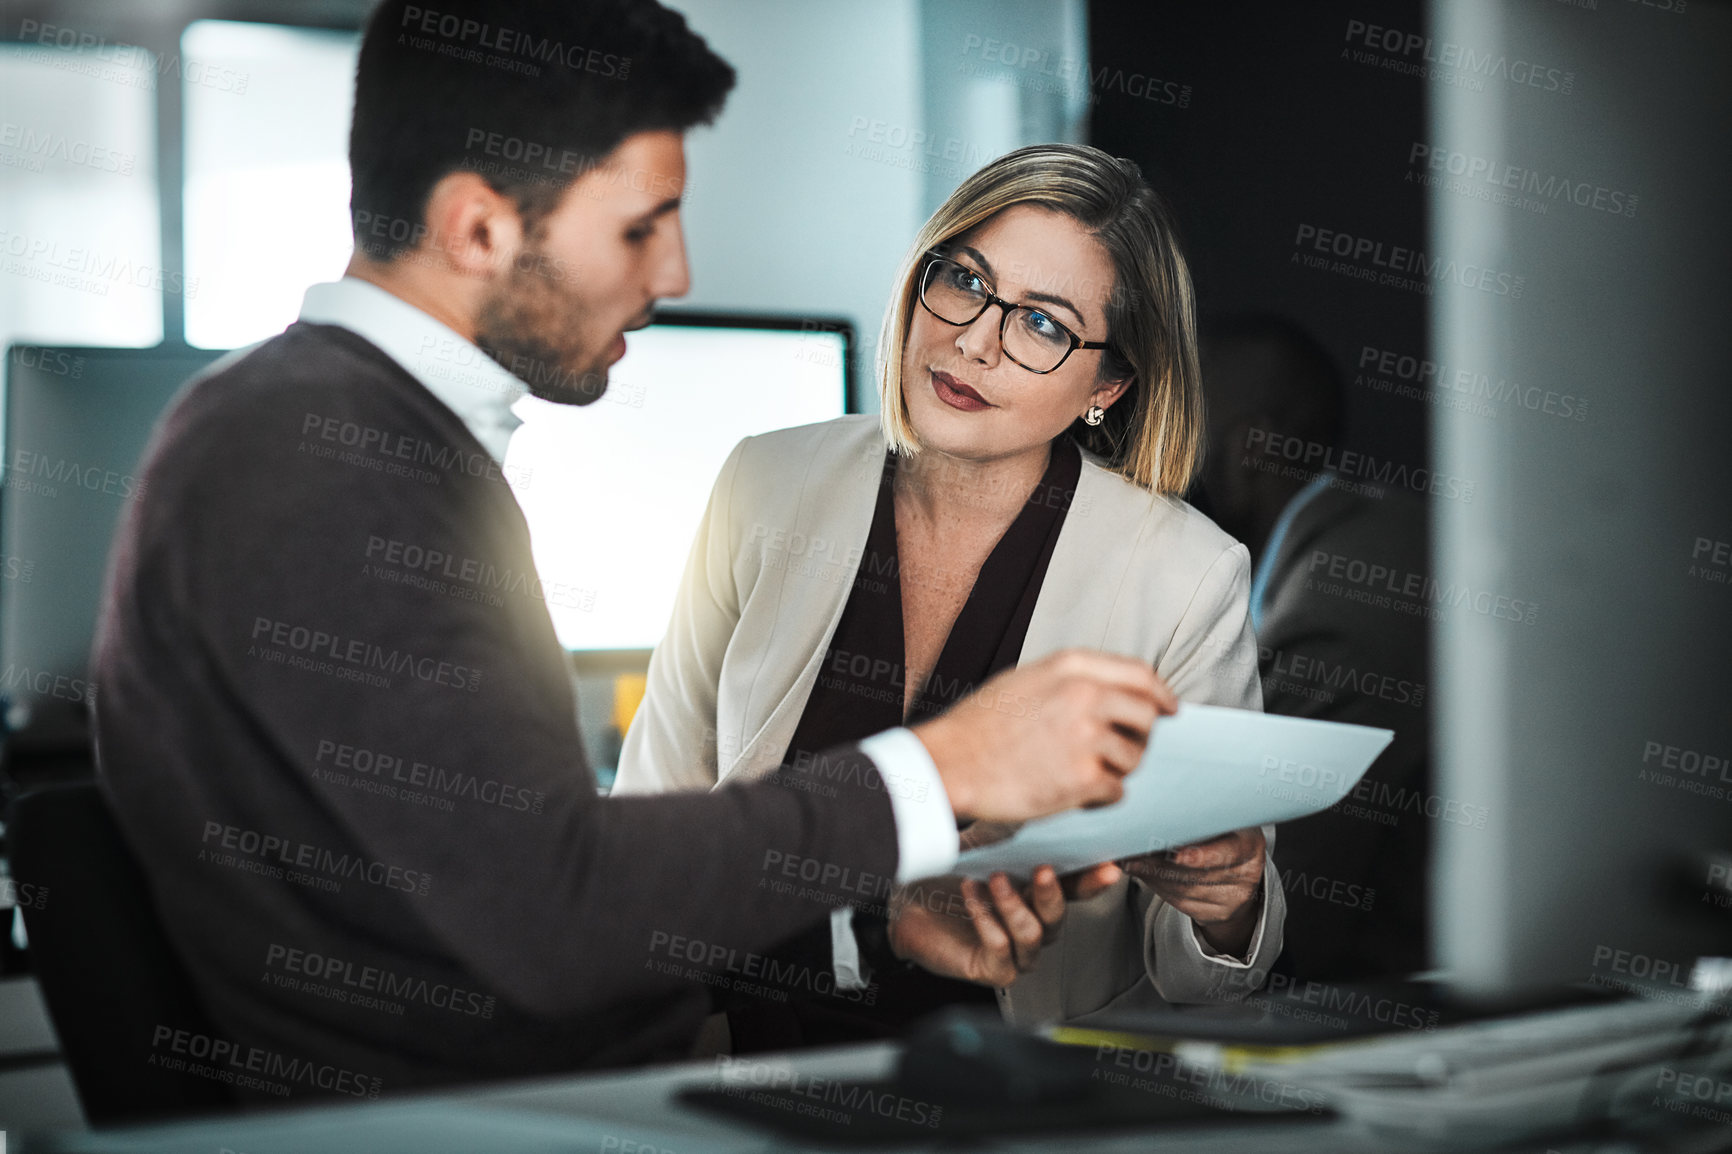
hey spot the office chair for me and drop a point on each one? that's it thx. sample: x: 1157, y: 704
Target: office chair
x: 107, y: 971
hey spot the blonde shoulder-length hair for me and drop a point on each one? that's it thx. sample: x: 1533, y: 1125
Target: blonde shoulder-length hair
x: 1153, y: 435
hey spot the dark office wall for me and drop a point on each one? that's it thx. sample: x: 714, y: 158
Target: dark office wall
x: 1285, y: 137
x: 1259, y: 120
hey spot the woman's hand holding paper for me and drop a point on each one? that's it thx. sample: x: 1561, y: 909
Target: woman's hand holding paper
x: 1216, y: 883
x: 987, y: 933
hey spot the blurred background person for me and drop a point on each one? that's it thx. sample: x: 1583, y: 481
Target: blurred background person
x: 1340, y: 601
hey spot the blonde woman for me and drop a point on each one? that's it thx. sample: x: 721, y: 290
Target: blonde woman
x: 1017, y: 494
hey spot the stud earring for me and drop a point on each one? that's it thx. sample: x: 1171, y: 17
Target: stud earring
x: 1095, y: 415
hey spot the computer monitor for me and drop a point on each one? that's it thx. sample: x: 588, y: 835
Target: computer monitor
x: 1596, y: 732
x: 76, y: 424
x: 614, y: 491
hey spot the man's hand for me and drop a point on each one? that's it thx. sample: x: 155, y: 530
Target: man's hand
x: 1216, y: 883
x: 1047, y: 737
x: 987, y: 934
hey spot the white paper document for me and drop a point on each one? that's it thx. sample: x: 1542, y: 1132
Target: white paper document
x: 1207, y: 770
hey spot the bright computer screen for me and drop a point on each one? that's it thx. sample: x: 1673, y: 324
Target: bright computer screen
x: 613, y: 491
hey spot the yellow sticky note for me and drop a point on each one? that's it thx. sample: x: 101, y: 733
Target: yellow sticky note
x: 628, y: 691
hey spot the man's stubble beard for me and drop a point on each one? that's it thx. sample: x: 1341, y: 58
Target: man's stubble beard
x: 533, y: 327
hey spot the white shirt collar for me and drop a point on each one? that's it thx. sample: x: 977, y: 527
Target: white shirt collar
x: 469, y: 382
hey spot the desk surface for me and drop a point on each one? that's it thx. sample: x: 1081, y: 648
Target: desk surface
x: 634, y: 1112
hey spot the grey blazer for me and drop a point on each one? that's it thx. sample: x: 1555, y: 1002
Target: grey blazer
x: 779, y: 548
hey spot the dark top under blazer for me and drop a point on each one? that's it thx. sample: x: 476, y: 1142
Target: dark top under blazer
x: 859, y: 691
x: 340, y: 734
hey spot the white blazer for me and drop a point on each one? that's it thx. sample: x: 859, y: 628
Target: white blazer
x: 769, y: 574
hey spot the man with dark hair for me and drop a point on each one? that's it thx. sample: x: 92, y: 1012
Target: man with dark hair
x: 335, y: 722
x: 1328, y: 646
x: 529, y: 101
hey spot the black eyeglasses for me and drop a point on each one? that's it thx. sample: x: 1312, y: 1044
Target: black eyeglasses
x: 1033, y: 338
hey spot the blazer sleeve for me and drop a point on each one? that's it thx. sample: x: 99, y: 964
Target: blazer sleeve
x: 672, y: 742
x: 1212, y: 660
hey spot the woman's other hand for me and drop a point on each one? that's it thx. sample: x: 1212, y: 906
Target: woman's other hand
x: 989, y: 934
x: 1216, y: 883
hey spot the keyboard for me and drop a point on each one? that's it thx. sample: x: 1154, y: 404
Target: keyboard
x: 1531, y: 1072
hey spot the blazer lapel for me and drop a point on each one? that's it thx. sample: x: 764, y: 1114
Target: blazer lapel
x: 794, y: 610
x: 1083, y: 580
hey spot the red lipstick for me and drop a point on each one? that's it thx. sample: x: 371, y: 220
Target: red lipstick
x: 956, y: 394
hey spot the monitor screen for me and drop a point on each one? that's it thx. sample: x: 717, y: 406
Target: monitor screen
x: 1596, y: 726
x: 614, y: 491
x: 76, y: 424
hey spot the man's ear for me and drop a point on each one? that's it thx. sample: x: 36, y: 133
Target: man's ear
x: 473, y: 228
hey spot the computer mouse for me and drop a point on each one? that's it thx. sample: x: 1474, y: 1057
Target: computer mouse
x: 965, y: 1056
